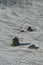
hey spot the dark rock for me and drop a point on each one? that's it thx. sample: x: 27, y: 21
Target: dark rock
x: 29, y: 29
x: 22, y: 31
x: 33, y: 47
x: 15, y: 42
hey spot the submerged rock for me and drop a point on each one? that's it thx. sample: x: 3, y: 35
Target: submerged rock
x: 15, y: 42
x: 33, y: 47
x: 29, y: 29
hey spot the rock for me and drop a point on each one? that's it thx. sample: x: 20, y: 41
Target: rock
x: 29, y: 29
x: 33, y: 47
x: 22, y: 31
x: 15, y: 42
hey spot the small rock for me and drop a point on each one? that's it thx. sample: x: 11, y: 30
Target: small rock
x: 22, y: 31
x: 33, y: 47
x: 29, y: 29
x: 15, y: 42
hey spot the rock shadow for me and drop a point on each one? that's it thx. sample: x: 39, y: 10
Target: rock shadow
x: 24, y: 44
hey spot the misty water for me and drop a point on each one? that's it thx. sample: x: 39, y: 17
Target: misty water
x: 16, y: 15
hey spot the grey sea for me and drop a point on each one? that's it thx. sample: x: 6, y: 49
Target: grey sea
x: 17, y: 15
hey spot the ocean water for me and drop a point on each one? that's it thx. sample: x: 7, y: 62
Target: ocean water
x: 16, y: 15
